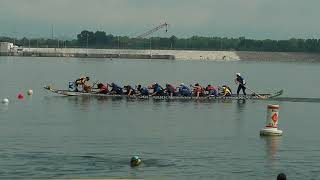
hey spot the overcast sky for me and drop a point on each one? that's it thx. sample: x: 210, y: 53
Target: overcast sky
x: 259, y: 19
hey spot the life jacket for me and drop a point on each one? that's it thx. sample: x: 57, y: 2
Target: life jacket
x: 103, y: 89
x: 241, y: 80
x: 226, y: 91
x: 198, y: 89
x: 171, y: 88
x: 87, y: 88
x: 185, y: 90
x: 144, y: 91
x: 128, y: 88
x: 212, y: 90
x: 183, y: 87
x: 157, y: 88
x: 229, y: 89
x: 116, y: 89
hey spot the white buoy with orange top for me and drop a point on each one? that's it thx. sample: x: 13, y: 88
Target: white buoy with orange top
x: 271, y: 128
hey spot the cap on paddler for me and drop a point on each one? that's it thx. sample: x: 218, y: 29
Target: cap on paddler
x: 238, y: 74
x: 135, y: 161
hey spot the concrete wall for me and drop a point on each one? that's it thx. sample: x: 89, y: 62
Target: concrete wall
x: 163, y: 54
x: 132, y: 53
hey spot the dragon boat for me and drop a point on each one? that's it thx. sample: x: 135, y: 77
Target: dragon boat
x: 206, y: 97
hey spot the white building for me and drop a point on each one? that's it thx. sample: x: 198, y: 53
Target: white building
x: 7, y: 48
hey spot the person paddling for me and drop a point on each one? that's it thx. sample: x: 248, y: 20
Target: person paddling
x: 198, y: 90
x: 226, y: 91
x: 82, y: 82
x: 129, y: 90
x: 115, y: 89
x: 102, y: 89
x: 212, y: 91
x: 142, y: 91
x: 171, y: 90
x: 241, y: 84
x: 157, y: 90
x: 184, y: 90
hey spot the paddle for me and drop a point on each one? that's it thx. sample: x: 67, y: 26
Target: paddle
x: 262, y: 97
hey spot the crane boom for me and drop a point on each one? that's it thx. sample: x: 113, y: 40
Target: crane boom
x: 154, y: 30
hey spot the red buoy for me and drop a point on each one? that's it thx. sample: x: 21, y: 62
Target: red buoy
x: 20, y: 96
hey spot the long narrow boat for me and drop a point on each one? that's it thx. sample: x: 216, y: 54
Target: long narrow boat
x: 233, y: 96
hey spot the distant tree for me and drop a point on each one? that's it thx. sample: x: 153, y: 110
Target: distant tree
x: 100, y: 38
x: 173, y: 41
x: 86, y: 38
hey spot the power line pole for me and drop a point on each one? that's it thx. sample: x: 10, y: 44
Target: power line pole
x: 87, y: 42
x: 150, y: 48
x: 118, y: 42
x: 51, y: 31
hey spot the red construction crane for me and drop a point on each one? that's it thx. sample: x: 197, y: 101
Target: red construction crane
x: 154, y: 30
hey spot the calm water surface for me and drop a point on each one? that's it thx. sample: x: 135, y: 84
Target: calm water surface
x: 48, y: 136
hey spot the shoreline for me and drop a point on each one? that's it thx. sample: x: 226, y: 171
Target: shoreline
x: 166, y: 54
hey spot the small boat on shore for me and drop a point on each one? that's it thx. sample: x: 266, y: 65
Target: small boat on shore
x: 233, y: 96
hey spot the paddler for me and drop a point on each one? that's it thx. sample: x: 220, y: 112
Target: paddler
x: 102, y: 89
x: 170, y: 90
x: 212, y: 91
x: 184, y: 90
x: 157, y: 90
x: 226, y: 91
x: 129, y: 90
x: 115, y: 89
x: 135, y: 161
x: 142, y: 91
x: 241, y: 84
x: 82, y: 82
x: 198, y: 90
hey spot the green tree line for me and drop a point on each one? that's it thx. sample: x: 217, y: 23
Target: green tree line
x: 99, y: 39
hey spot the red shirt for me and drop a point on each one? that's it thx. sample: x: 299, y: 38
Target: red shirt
x: 198, y: 89
x: 103, y: 89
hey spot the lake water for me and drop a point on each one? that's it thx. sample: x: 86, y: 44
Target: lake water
x: 48, y: 136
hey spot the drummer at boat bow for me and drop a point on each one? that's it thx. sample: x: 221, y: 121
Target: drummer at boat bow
x: 241, y: 84
x: 82, y: 81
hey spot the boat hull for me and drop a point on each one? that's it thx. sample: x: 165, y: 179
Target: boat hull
x: 233, y: 96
